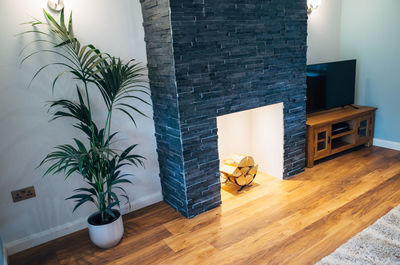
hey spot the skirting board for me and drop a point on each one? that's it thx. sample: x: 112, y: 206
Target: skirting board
x: 68, y: 228
x: 3, y: 254
x: 386, y: 144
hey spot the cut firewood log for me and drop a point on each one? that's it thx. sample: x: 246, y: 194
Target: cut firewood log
x: 241, y: 181
x: 231, y: 170
x: 249, y: 179
x: 244, y: 170
x: 253, y: 170
x: 239, y: 160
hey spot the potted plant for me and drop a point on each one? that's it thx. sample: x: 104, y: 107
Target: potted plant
x: 95, y: 160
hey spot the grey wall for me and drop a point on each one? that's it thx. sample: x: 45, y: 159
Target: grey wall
x: 27, y: 136
x: 324, y: 27
x: 370, y: 33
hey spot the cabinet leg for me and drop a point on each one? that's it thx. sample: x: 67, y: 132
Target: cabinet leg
x: 310, y: 163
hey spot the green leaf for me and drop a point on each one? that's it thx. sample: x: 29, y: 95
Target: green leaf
x: 111, y: 213
x: 81, y: 52
x: 94, y: 48
x: 79, y: 196
x: 92, y: 191
x: 115, y: 197
x: 133, y: 108
x: 80, y: 145
x: 133, y: 97
x: 52, y: 20
x: 43, y: 67
x: 70, y: 23
x: 111, y: 205
x: 62, y: 23
x: 127, y: 151
x: 55, y: 79
x: 121, y: 181
x: 129, y: 115
x: 82, y: 202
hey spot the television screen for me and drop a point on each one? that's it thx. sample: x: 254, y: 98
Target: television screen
x: 330, y: 85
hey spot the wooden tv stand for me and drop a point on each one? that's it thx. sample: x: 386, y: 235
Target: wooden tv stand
x: 333, y: 131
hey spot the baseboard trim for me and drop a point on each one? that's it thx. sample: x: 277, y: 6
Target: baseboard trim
x: 68, y: 228
x: 387, y: 144
x: 3, y: 254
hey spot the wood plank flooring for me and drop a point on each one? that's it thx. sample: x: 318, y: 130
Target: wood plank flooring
x: 296, y: 221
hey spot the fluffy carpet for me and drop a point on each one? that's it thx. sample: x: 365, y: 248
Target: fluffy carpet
x: 377, y: 244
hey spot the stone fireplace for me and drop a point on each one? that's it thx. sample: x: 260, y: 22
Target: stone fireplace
x: 209, y: 58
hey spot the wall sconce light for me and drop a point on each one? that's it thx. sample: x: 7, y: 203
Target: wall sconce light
x: 55, y: 5
x: 312, y: 5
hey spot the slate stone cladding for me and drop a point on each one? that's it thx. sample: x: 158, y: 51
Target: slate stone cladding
x: 214, y: 57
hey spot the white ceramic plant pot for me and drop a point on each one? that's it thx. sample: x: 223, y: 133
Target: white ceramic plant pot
x: 108, y: 235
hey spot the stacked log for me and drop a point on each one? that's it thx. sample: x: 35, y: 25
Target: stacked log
x: 239, y: 169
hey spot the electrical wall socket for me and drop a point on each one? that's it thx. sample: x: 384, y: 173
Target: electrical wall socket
x: 23, y: 194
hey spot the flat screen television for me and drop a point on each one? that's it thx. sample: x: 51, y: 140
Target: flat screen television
x: 330, y: 85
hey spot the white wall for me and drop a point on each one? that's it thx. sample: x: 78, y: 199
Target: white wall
x: 370, y: 33
x: 27, y: 136
x: 234, y: 132
x: 324, y: 32
x: 257, y: 132
x: 268, y: 139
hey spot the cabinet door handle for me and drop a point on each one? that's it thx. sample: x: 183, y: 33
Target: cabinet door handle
x: 329, y: 139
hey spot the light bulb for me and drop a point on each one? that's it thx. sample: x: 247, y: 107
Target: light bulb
x: 312, y: 5
x: 55, y: 5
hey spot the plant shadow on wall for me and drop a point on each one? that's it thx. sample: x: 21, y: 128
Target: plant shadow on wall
x: 99, y: 164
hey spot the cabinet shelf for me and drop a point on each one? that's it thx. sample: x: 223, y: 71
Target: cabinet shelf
x: 338, y: 143
x: 333, y: 131
x: 342, y: 134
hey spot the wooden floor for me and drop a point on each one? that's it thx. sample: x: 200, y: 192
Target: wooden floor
x: 296, y: 221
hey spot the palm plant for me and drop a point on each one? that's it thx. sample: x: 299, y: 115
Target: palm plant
x: 97, y: 162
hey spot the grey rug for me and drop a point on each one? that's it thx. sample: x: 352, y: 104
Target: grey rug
x: 377, y: 244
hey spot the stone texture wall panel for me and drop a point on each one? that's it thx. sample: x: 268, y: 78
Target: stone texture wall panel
x: 208, y: 58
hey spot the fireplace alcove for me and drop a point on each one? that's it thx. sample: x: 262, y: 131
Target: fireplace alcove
x: 211, y: 58
x: 256, y: 132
